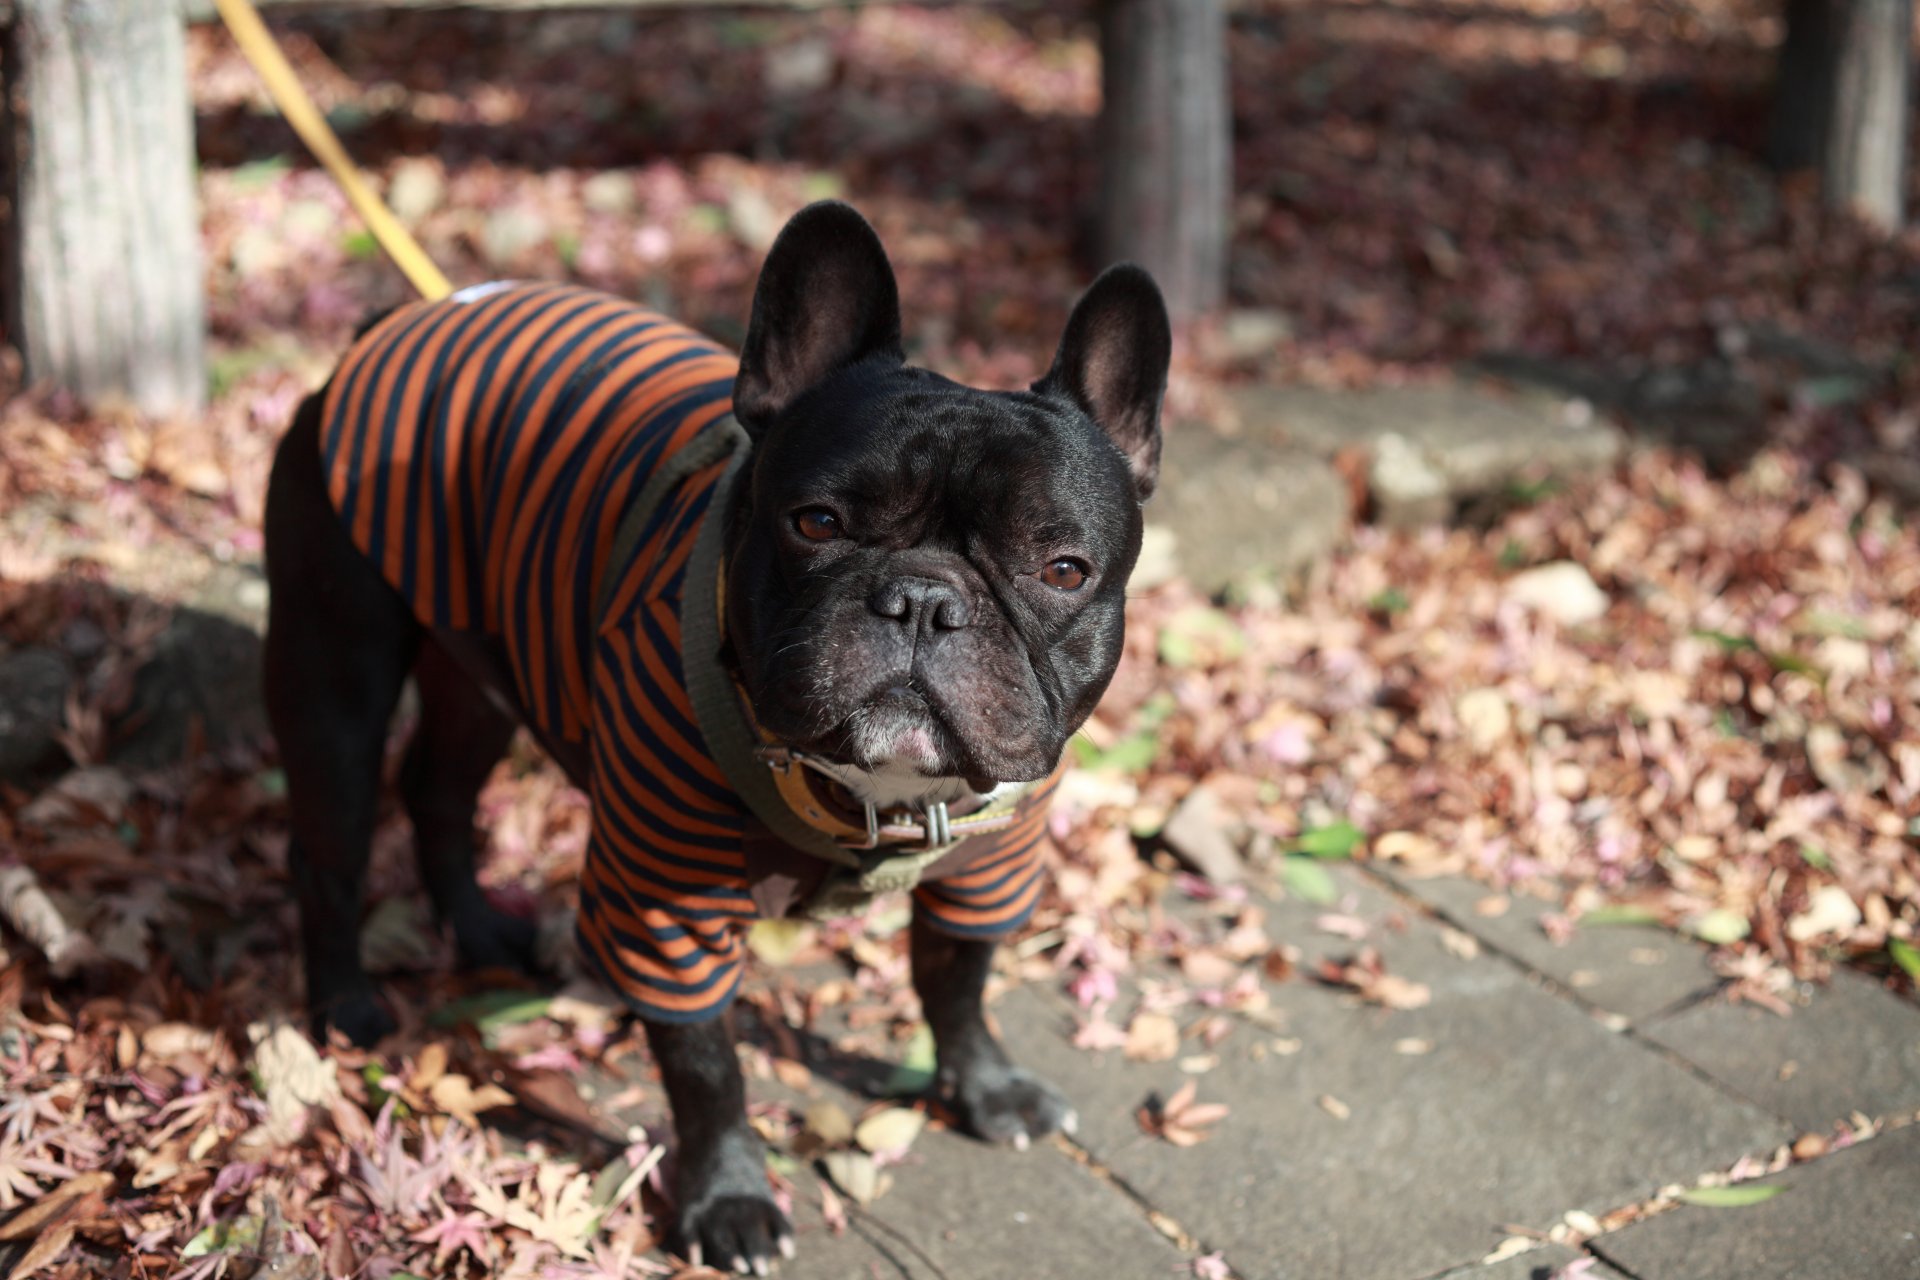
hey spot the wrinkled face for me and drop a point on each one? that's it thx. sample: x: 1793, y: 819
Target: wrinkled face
x: 929, y: 577
x: 924, y: 579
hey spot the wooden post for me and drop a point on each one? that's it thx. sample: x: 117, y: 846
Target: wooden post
x: 1840, y: 102
x: 104, y: 282
x: 1866, y: 161
x: 1165, y: 145
x: 1803, y: 86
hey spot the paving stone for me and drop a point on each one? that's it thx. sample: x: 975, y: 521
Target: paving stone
x: 1310, y: 926
x: 1852, y: 1046
x: 1544, y: 1263
x: 967, y: 1211
x: 1632, y: 970
x: 1850, y: 1216
x: 1242, y: 506
x: 958, y: 1209
x: 1523, y: 1107
x: 1478, y: 437
x: 1269, y: 500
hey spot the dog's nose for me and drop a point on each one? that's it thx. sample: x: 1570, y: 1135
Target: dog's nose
x: 921, y: 602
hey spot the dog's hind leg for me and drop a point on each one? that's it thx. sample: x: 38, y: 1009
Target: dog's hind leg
x: 462, y: 735
x: 339, y: 644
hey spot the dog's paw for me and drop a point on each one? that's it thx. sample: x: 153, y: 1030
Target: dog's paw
x: 741, y: 1233
x: 728, y: 1220
x: 1005, y: 1103
x: 489, y: 938
x: 357, y: 1015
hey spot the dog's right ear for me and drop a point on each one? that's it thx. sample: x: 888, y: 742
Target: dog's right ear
x: 826, y: 299
x: 1112, y: 362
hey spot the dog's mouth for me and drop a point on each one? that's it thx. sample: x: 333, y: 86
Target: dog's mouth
x: 898, y: 732
x: 898, y: 727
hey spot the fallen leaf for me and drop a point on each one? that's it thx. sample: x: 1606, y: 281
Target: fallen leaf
x: 491, y: 1010
x: 829, y: 1124
x: 1335, y: 841
x: 1181, y: 1120
x: 1352, y: 928
x: 1830, y: 910
x: 1308, y: 880
x: 292, y: 1077
x: 43, y: 1251
x: 889, y: 1131
x: 1719, y: 926
x: 456, y: 1095
x: 429, y: 1066
x: 1366, y: 975
x: 776, y: 942
x: 1152, y: 1037
x: 1906, y: 955
x: 67, y: 1199
x: 855, y: 1174
x: 32, y: 914
x: 913, y: 1074
x: 1731, y: 1197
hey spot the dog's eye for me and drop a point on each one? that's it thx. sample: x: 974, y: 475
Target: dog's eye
x: 1064, y: 575
x: 817, y: 524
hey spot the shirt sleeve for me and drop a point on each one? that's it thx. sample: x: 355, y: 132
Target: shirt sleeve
x: 664, y: 901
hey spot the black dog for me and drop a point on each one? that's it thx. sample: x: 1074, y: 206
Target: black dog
x: 529, y: 497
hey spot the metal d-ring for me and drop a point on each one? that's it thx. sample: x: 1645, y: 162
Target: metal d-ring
x: 935, y: 825
x: 939, y: 829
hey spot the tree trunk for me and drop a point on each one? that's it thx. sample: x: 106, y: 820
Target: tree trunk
x: 1803, y: 85
x: 1865, y: 168
x: 105, y: 285
x: 1165, y: 135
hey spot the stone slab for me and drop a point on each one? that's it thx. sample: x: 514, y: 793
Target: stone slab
x: 1853, y: 1215
x: 1549, y: 1262
x: 1297, y: 922
x: 1521, y: 1108
x: 1849, y: 1046
x: 958, y: 1209
x: 1632, y: 970
x: 962, y: 1210
x: 1472, y: 436
x: 1240, y: 506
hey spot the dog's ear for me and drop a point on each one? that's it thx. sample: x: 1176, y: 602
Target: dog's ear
x: 1112, y: 362
x: 826, y: 299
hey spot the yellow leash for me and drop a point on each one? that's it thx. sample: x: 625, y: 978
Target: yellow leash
x: 257, y: 43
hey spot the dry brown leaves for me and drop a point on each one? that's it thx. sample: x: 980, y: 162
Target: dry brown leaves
x: 1732, y: 747
x: 1366, y: 975
x: 1180, y: 1119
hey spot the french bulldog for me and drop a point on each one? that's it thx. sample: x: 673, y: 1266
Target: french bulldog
x: 918, y: 597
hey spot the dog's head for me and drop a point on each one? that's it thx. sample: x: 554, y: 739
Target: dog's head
x: 924, y: 578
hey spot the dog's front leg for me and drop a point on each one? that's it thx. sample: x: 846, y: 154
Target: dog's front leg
x: 993, y: 1098
x: 727, y: 1215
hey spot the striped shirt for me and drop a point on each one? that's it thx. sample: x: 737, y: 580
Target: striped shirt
x: 481, y: 452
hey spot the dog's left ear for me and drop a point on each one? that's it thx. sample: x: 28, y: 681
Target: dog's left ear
x: 1112, y: 362
x: 826, y: 299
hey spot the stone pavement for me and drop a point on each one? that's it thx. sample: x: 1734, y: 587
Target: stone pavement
x: 1541, y: 1089
x: 1277, y: 493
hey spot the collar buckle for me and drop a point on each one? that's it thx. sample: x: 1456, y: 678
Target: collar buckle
x: 935, y: 827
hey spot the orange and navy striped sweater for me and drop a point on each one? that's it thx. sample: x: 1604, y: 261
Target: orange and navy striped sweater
x: 481, y: 452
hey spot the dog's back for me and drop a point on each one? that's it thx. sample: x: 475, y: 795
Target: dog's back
x: 480, y: 449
